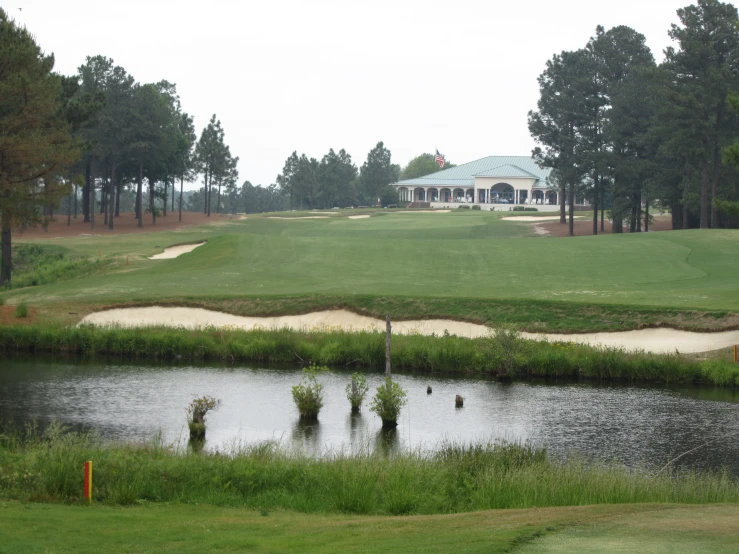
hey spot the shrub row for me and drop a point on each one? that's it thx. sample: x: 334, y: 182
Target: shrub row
x: 448, y: 353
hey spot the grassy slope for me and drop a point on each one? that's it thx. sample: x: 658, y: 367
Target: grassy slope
x: 180, y: 528
x: 439, y: 264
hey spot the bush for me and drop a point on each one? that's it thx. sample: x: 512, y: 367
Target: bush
x: 308, y: 395
x: 196, y: 413
x: 388, y: 401
x: 21, y: 310
x: 476, y: 207
x: 463, y: 207
x: 531, y: 209
x: 356, y: 391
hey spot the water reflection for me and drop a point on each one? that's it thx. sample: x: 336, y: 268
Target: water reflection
x: 387, y: 441
x: 639, y: 425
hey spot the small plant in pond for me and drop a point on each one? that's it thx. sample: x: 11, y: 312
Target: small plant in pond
x: 21, y: 310
x: 356, y: 391
x: 388, y: 401
x: 308, y: 395
x: 196, y: 413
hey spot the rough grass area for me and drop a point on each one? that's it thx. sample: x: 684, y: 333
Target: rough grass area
x: 458, y: 478
x: 197, y: 529
x: 35, y: 265
x: 524, y: 359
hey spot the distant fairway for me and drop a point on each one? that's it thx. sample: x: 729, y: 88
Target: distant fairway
x: 448, y: 256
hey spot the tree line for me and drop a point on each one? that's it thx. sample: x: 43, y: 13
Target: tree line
x: 85, y: 141
x: 632, y: 135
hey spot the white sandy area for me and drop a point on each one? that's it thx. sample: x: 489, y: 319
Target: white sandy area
x: 659, y: 341
x: 535, y: 218
x: 174, y: 251
x: 359, y: 217
x: 423, y: 211
x: 304, y: 217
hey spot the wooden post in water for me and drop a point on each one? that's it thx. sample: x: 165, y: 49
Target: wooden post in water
x: 388, y: 332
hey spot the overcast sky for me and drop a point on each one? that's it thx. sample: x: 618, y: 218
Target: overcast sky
x: 309, y: 75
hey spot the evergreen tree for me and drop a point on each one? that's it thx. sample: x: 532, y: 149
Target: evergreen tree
x: 35, y: 138
x: 377, y: 173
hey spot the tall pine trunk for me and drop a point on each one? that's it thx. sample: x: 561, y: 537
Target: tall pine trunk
x: 562, y: 203
x: 595, y: 205
x: 111, y: 201
x: 714, y: 184
x: 218, y: 202
x: 140, y: 195
x: 174, y: 186
x: 92, y: 200
x: 86, y: 191
x: 704, y: 196
x: 646, y: 212
x: 572, y: 209
x: 7, y: 251
x: 182, y: 182
x: 118, y: 200
x: 166, y: 192
x: 151, y: 202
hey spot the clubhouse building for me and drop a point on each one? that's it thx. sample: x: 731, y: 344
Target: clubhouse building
x: 491, y: 180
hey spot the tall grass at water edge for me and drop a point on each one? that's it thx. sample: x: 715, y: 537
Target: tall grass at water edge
x: 365, y: 349
x: 457, y: 478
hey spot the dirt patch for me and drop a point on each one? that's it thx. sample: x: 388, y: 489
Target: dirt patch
x: 541, y: 231
x: 124, y: 224
x: 585, y: 226
x: 658, y: 341
x: 534, y: 218
x: 176, y: 251
x: 7, y: 316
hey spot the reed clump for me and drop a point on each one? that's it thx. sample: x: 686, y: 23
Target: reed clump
x: 45, y: 467
x: 516, y: 359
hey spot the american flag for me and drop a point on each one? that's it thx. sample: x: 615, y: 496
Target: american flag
x: 439, y: 158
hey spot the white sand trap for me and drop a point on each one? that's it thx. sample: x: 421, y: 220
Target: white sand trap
x: 174, y: 251
x: 659, y: 341
x: 304, y: 217
x: 359, y: 217
x: 535, y: 218
x: 423, y: 211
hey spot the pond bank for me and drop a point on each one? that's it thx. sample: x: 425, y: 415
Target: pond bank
x: 458, y: 478
x: 422, y: 353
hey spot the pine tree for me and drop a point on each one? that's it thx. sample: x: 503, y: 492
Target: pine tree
x: 35, y: 138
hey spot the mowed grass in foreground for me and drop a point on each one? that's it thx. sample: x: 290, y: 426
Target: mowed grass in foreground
x: 621, y: 528
x: 451, y: 255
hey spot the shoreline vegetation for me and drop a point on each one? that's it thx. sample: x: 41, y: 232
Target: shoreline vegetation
x: 45, y: 467
x: 501, y: 354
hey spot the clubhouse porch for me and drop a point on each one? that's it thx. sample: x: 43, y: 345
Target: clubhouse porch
x: 501, y: 193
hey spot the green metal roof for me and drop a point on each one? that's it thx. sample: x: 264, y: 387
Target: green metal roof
x: 491, y: 166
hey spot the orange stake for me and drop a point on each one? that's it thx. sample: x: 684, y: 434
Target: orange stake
x: 88, y: 481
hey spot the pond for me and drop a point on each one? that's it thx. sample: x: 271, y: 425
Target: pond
x: 637, y: 425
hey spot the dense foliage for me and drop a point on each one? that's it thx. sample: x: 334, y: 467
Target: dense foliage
x: 630, y: 135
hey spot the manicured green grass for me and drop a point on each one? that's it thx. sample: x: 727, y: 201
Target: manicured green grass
x: 57, y: 528
x: 439, y: 259
x: 712, y: 529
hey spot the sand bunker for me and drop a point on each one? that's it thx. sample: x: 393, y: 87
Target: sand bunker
x: 660, y: 341
x: 535, y: 218
x: 423, y: 211
x: 304, y: 217
x: 359, y: 217
x: 174, y: 251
